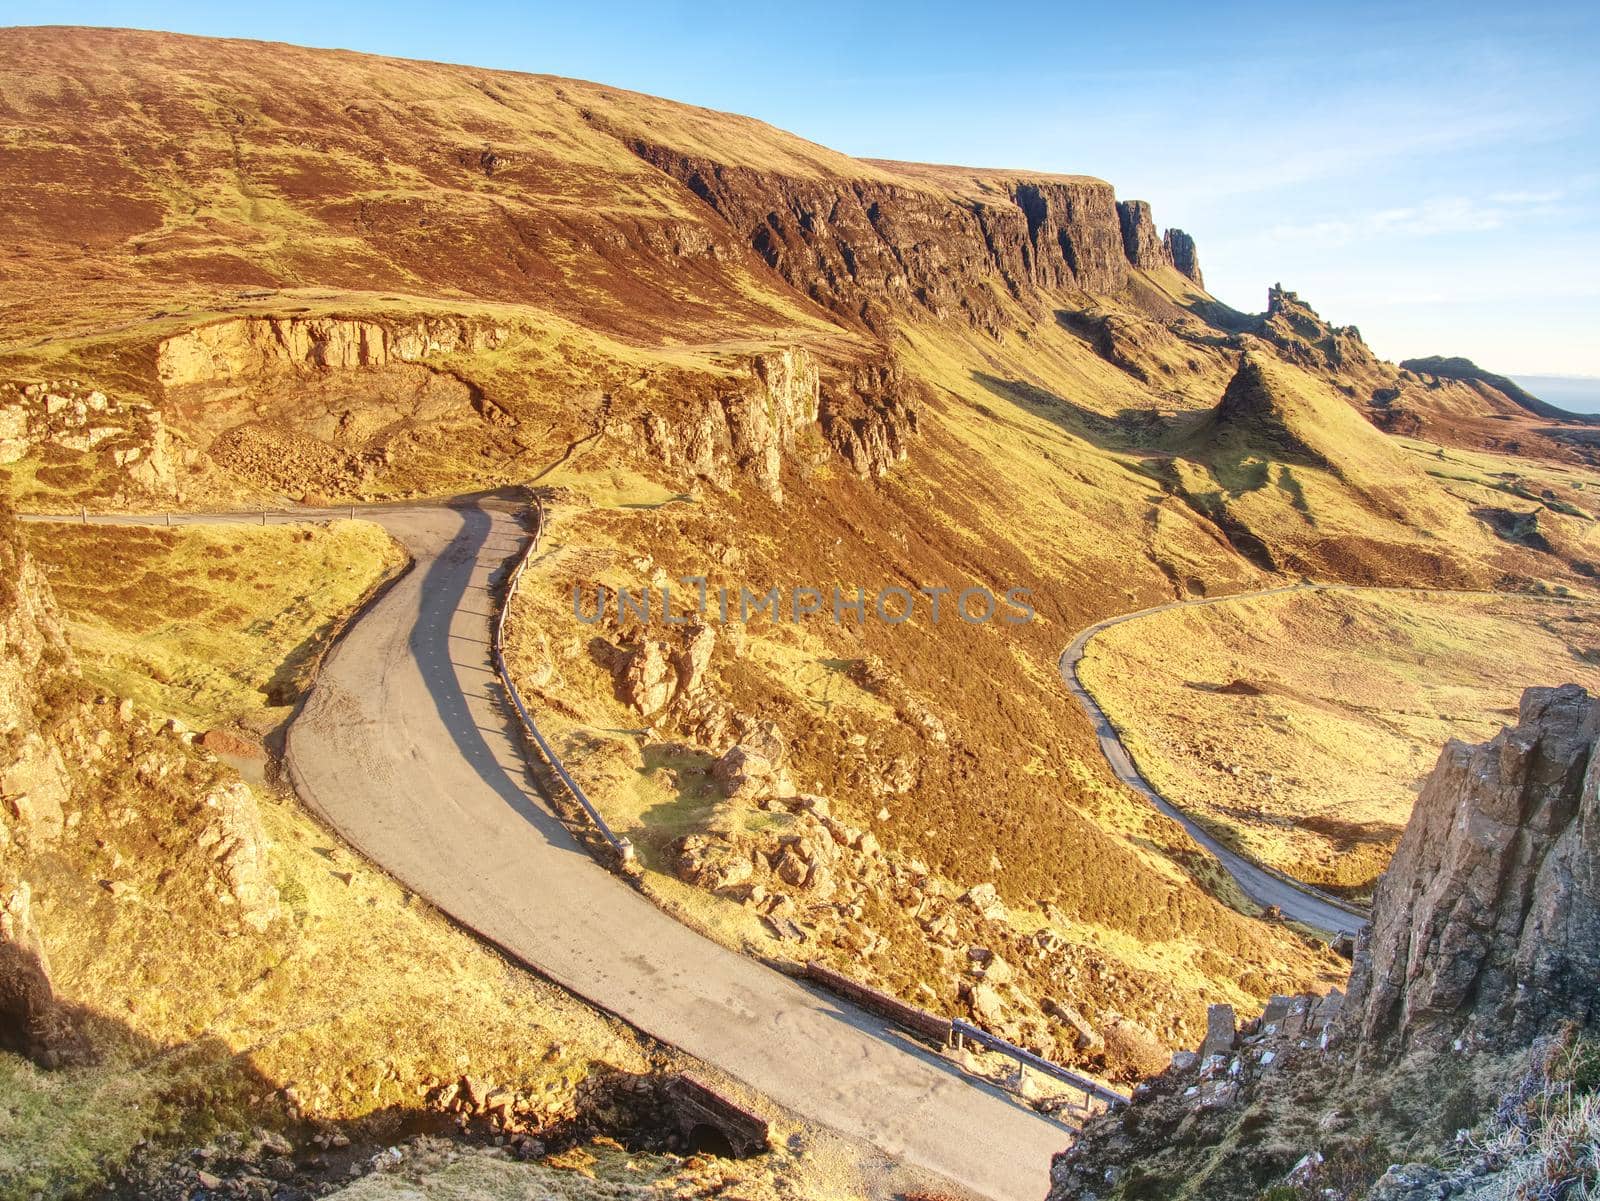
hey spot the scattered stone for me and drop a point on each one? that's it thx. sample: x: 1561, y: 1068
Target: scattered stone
x: 986, y: 901
x: 1221, y: 1031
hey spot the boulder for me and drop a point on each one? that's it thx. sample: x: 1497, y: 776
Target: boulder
x: 712, y: 864
x: 1221, y: 1031
x: 986, y: 901
x: 691, y: 660
x: 743, y: 773
x: 238, y: 843
x: 1085, y: 1036
x: 986, y: 1004
x: 791, y: 867
x: 647, y: 680
x: 1487, y: 921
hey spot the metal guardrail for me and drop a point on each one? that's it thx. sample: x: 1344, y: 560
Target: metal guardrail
x: 962, y: 1032
x: 953, y: 1031
x: 621, y: 847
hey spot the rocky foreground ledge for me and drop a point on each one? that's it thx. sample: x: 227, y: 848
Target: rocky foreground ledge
x: 1470, y: 1037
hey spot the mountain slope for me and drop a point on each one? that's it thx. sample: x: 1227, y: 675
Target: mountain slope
x: 725, y: 353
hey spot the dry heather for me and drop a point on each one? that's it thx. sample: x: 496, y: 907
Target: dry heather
x: 211, y: 624
x: 952, y: 776
x: 334, y: 277
x: 1357, y: 690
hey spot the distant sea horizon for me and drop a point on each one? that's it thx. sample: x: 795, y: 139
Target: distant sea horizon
x: 1575, y: 393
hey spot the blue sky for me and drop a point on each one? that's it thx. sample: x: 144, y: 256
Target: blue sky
x: 1429, y: 172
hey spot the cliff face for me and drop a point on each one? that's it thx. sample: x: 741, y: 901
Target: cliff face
x: 867, y: 250
x: 251, y: 346
x: 748, y: 426
x: 1141, y: 241
x: 1180, y: 248
x: 1487, y: 923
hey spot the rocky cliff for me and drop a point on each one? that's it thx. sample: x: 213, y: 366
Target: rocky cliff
x: 1181, y: 249
x: 747, y: 424
x: 1141, y: 240
x: 129, y: 442
x: 1293, y: 327
x: 1487, y: 924
x: 869, y: 250
x: 252, y: 346
x: 1471, y: 997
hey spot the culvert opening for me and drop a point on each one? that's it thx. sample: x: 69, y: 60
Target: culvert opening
x: 705, y: 1139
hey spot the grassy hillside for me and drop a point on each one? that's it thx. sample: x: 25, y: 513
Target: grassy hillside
x: 333, y: 1017
x: 1300, y: 726
x: 235, y: 273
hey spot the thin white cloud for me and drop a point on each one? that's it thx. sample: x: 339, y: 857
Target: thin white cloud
x: 1437, y: 217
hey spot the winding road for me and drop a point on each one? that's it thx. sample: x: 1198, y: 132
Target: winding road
x: 405, y: 748
x: 1295, y: 901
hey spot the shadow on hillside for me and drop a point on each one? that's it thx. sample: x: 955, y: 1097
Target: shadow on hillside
x: 1223, y: 317
x: 157, y: 1115
x: 1129, y: 430
x: 189, y: 1095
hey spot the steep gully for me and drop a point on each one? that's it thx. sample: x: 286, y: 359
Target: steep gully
x: 405, y: 749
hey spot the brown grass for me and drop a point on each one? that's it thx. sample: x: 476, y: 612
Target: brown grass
x: 1300, y: 726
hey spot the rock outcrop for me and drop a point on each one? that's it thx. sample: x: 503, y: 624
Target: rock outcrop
x: 34, y: 784
x: 251, y: 346
x: 1487, y: 924
x: 237, y: 843
x: 658, y: 672
x: 747, y: 426
x: 68, y: 415
x: 870, y: 415
x: 82, y: 783
x: 1141, y: 241
x: 1181, y: 250
x: 1480, y: 967
x: 869, y: 250
x: 1302, y: 337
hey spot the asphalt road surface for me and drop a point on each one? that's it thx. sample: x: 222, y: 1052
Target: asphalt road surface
x: 1265, y: 888
x: 405, y: 748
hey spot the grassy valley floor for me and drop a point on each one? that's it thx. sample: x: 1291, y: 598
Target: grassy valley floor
x: 1299, y: 726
